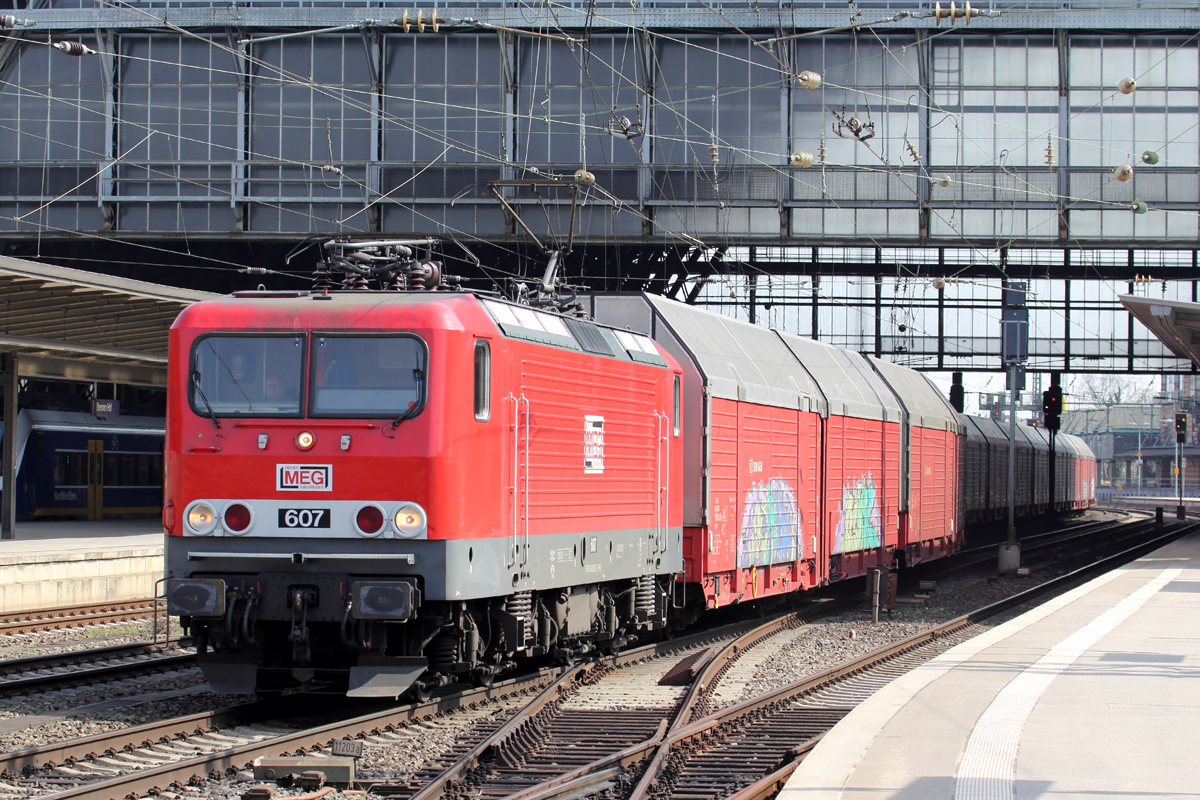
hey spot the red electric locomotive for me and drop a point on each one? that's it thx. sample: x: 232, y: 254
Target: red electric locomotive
x: 366, y: 486
x: 381, y: 490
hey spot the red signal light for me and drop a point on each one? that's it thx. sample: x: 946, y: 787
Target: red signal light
x: 237, y: 517
x: 369, y: 520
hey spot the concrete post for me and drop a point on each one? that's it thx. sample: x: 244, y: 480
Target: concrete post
x: 8, y: 498
x: 1010, y: 552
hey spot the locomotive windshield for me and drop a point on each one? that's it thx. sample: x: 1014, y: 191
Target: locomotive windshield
x: 247, y: 375
x: 367, y: 376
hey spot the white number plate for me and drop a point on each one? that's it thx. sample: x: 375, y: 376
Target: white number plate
x: 304, y: 517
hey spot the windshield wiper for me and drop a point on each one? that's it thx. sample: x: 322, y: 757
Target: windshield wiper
x: 412, y: 412
x: 415, y: 406
x: 212, y: 414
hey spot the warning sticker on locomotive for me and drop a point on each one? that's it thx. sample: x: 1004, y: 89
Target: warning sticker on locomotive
x: 304, y: 477
x: 593, y: 444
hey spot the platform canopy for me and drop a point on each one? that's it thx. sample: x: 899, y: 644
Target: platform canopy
x: 67, y: 323
x: 1175, y: 322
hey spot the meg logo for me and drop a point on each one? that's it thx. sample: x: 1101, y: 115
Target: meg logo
x: 304, y: 477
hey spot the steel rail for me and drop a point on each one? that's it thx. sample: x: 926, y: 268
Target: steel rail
x: 44, y: 619
x: 90, y: 673
x: 699, y: 729
x: 155, y: 779
x: 47, y: 756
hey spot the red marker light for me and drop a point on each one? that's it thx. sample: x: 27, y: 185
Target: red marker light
x: 237, y: 517
x: 369, y: 520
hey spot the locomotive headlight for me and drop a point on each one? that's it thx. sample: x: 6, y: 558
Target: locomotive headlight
x: 305, y: 440
x: 410, y: 521
x: 203, y: 597
x: 201, y: 518
x: 395, y: 600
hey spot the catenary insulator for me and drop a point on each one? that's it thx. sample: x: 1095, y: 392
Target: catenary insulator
x: 810, y: 79
x: 713, y: 154
x: 944, y: 180
x: 1139, y: 207
x: 9, y: 21
x: 74, y: 48
x: 1123, y: 172
x: 1127, y: 85
x: 802, y: 159
x: 404, y: 21
x: 938, y: 283
x: 421, y: 21
x: 912, y: 151
x: 822, y: 153
x: 1049, y: 154
x: 1149, y: 157
x: 584, y: 177
x: 434, y: 22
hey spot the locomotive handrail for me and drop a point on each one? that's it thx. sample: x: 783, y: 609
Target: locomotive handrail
x: 307, y: 423
x: 528, y: 444
x: 511, y: 560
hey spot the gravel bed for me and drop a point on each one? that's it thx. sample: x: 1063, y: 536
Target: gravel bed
x: 21, y: 645
x: 87, y: 710
x: 851, y: 634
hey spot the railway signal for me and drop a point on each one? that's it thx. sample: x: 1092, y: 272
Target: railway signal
x: 1052, y: 406
x: 1181, y: 428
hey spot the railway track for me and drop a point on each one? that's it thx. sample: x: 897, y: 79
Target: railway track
x: 748, y: 750
x: 588, y: 728
x: 56, y: 670
x: 48, y: 619
x: 745, y: 750
x: 150, y: 759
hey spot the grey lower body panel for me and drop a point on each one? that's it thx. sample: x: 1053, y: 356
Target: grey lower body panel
x: 450, y: 569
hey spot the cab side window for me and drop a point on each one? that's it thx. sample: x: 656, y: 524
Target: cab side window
x: 483, y: 380
x: 675, y: 416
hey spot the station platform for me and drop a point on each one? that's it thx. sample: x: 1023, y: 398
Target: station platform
x: 53, y: 564
x: 1092, y: 694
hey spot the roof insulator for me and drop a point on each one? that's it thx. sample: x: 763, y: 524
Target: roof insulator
x: 74, y: 48
x: 810, y: 79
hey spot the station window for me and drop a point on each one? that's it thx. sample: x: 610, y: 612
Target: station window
x: 483, y: 380
x: 675, y: 415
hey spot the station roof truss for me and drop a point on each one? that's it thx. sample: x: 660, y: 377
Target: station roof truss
x: 67, y: 323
